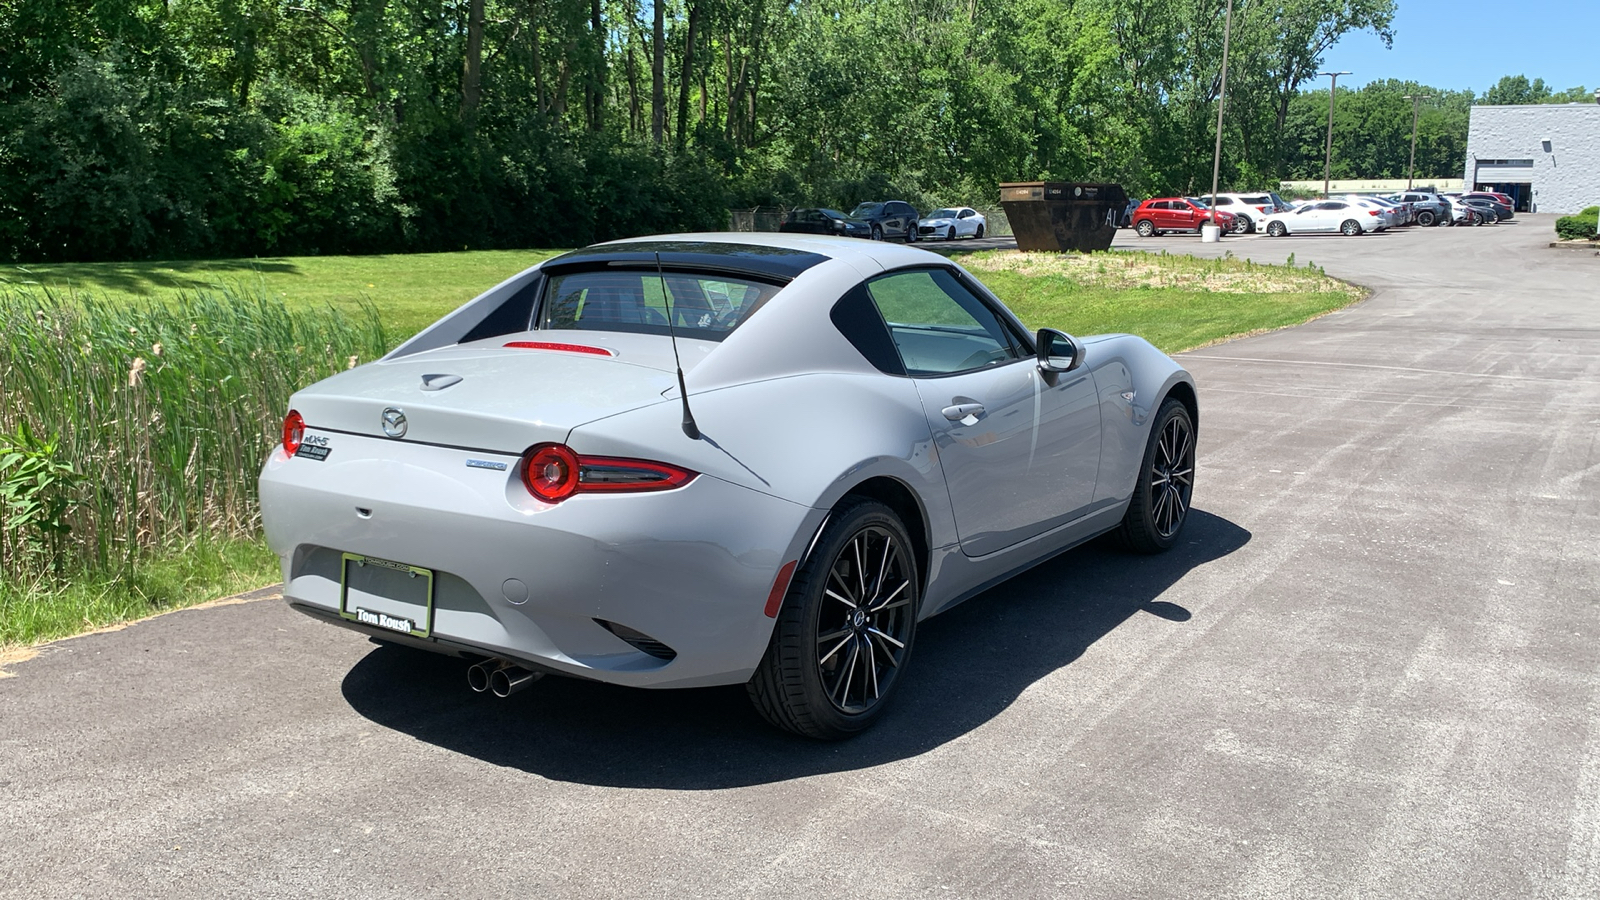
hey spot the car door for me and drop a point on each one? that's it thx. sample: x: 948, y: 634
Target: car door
x: 965, y: 224
x: 1020, y: 450
x: 1161, y: 212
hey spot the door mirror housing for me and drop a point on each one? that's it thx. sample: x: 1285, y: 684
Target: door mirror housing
x: 1057, y: 351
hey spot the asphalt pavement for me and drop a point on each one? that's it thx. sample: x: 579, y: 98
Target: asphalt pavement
x: 1370, y: 670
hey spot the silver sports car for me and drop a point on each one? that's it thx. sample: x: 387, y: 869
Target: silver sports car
x: 718, y: 459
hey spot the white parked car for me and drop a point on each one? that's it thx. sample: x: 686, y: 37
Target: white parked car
x: 1248, y: 209
x: 952, y: 222
x: 1391, y: 214
x: 1326, y: 216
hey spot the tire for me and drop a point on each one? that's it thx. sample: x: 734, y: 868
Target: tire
x: 1350, y: 228
x: 1243, y: 225
x: 877, y: 233
x: 1425, y: 218
x: 1160, y: 504
x: 951, y: 234
x: 861, y: 553
x: 1145, y: 227
x: 978, y: 235
x: 1276, y: 229
x: 911, y: 233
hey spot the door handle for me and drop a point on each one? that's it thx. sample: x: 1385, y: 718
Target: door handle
x: 962, y: 410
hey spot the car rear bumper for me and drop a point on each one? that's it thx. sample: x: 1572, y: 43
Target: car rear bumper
x: 690, y: 568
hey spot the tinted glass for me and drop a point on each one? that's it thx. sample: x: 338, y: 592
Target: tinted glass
x: 866, y: 209
x: 706, y: 306
x: 942, y: 214
x: 1254, y: 201
x: 938, y: 326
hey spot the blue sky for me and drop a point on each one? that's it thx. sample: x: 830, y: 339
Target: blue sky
x: 1557, y: 40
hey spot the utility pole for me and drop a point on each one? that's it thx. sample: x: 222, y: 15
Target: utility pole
x: 1327, y: 155
x: 1222, y: 98
x: 1416, y: 108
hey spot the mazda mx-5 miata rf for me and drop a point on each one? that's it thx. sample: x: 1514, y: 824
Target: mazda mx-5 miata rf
x: 718, y: 459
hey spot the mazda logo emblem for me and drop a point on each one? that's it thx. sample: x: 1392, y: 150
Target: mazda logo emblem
x: 394, y: 423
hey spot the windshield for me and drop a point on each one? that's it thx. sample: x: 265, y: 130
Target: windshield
x: 1200, y: 203
x: 943, y: 214
x: 704, y: 305
x: 866, y: 209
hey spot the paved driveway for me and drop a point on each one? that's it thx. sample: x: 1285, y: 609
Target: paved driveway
x: 1372, y: 670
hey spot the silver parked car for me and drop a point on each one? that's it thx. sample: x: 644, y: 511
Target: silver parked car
x: 718, y: 459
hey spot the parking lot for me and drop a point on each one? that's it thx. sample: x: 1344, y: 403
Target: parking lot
x: 1370, y: 670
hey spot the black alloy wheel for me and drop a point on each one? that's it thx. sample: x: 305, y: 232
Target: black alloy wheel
x: 1425, y: 218
x: 951, y: 234
x: 845, y: 631
x: 1160, y: 503
x: 978, y: 235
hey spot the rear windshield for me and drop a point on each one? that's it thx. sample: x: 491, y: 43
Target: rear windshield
x: 1253, y: 200
x: 706, y: 306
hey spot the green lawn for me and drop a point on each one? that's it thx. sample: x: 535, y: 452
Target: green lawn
x: 411, y: 290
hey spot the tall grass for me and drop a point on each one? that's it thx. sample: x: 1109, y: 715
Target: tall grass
x: 127, y: 428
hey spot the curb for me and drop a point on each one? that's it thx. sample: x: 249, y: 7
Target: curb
x: 1576, y: 245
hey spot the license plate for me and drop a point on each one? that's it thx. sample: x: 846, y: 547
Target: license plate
x: 386, y: 594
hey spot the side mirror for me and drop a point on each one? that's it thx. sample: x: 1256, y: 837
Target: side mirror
x: 1057, y: 351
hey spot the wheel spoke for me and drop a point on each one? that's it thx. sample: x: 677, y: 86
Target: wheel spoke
x: 836, y: 648
x: 832, y: 636
x: 861, y: 574
x: 872, y: 669
x: 884, y: 603
x: 888, y: 652
x: 839, y: 580
x: 849, y: 673
x: 842, y: 599
x: 897, y: 644
x: 883, y: 568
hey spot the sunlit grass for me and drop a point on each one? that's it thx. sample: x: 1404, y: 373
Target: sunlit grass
x: 1175, y: 302
x: 411, y: 290
x: 170, y: 578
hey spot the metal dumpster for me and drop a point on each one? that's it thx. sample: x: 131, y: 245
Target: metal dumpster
x: 1063, y: 215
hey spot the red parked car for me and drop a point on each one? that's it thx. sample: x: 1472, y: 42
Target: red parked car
x: 1176, y: 214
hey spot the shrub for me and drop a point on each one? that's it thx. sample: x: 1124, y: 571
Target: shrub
x: 1579, y: 227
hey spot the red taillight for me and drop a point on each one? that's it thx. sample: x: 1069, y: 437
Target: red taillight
x: 565, y: 348
x: 294, y: 430
x: 1372, y: 212
x: 552, y: 472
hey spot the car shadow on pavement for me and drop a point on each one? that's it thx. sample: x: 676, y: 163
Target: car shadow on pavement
x: 969, y: 665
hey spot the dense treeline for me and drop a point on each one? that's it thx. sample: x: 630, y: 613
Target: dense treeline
x: 150, y: 128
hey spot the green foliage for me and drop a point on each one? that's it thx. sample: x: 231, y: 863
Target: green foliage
x: 36, y: 488
x: 1582, y: 226
x: 164, y: 412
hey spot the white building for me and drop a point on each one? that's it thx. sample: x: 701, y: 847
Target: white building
x: 1547, y: 156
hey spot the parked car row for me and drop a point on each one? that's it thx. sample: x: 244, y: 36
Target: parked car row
x: 1353, y: 214
x: 881, y: 220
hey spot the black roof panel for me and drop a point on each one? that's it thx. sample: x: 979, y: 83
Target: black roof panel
x: 749, y: 259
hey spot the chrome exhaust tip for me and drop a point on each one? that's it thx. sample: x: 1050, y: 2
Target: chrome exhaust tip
x: 510, y: 679
x: 481, y: 673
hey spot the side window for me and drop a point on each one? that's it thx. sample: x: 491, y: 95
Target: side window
x: 937, y: 326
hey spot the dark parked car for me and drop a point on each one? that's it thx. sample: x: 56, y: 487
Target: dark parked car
x: 824, y: 221
x: 1125, y: 219
x: 1502, y: 204
x: 1493, y: 211
x: 1176, y: 214
x: 888, y: 219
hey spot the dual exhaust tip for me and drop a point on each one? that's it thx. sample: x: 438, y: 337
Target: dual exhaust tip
x: 500, y: 677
